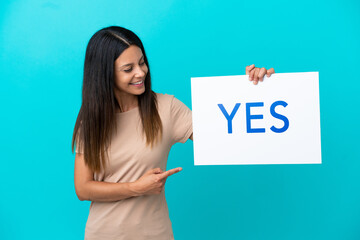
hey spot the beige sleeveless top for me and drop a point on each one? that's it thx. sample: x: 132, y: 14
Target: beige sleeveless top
x: 144, y: 217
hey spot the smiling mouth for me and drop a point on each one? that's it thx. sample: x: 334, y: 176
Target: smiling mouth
x: 137, y: 83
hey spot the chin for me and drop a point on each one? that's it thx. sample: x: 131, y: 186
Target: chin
x: 140, y: 91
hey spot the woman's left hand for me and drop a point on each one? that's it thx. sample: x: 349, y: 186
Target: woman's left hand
x: 257, y: 74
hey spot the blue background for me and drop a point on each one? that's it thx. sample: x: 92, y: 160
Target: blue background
x: 41, y: 60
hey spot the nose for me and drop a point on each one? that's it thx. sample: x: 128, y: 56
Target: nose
x: 140, y: 72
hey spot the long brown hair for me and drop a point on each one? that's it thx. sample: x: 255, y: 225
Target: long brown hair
x: 97, y: 116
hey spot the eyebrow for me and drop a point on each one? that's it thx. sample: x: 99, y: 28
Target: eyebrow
x: 131, y: 63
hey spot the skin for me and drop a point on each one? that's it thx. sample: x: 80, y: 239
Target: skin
x: 257, y: 74
x: 129, y: 68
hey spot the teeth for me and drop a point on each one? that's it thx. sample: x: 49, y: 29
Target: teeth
x: 137, y: 83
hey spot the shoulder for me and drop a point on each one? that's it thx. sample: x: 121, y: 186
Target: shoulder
x: 164, y: 101
x: 167, y: 99
x: 164, y: 98
x: 168, y: 102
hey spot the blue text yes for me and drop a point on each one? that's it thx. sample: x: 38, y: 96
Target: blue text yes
x: 249, y: 116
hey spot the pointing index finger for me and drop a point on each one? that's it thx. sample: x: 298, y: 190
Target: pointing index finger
x: 170, y: 172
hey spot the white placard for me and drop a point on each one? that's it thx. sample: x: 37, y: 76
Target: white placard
x: 274, y: 122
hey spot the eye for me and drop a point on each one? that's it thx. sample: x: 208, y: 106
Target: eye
x: 128, y: 70
x: 142, y: 63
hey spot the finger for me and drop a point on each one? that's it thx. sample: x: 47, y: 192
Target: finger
x: 269, y: 72
x: 249, y: 68
x: 170, y: 172
x: 262, y: 73
x: 251, y: 74
x: 256, y: 74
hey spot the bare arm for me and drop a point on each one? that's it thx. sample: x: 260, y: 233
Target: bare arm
x: 152, y: 182
x: 88, y: 189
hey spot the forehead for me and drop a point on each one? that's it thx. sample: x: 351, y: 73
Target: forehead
x: 130, y: 55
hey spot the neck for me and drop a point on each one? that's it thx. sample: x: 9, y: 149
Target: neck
x: 126, y: 101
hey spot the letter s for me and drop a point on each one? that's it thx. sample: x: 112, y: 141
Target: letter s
x: 279, y: 116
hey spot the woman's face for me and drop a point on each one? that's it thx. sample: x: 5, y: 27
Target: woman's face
x: 130, y: 71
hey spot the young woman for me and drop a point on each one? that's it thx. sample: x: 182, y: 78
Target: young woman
x: 123, y: 135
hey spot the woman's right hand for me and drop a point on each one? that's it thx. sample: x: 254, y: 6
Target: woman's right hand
x: 153, y: 181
